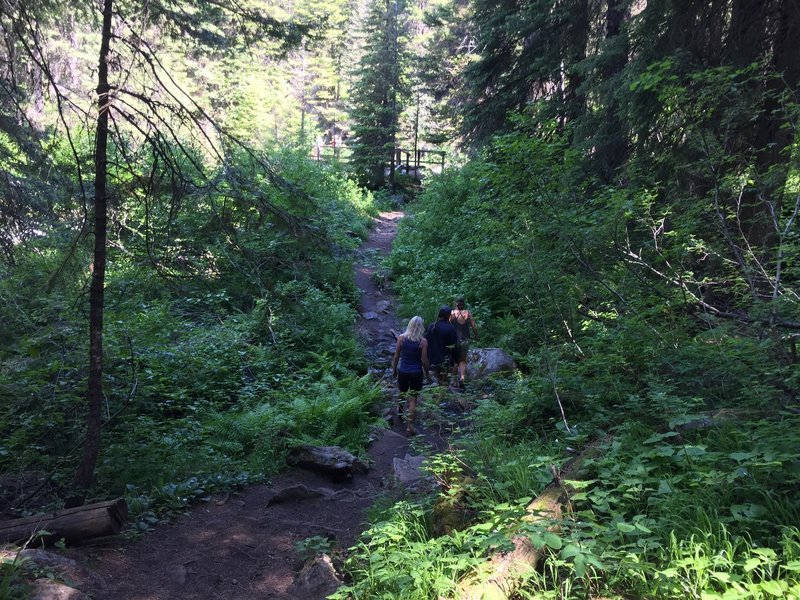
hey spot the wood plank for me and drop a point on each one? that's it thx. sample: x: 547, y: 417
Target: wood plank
x: 72, y: 524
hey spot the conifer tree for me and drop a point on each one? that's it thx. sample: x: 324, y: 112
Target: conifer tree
x: 379, y: 91
x: 448, y: 43
x: 526, y: 51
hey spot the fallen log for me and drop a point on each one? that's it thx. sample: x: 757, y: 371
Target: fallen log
x: 705, y: 420
x: 72, y: 524
x: 501, y: 576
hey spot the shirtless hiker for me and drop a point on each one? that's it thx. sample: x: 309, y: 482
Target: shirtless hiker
x: 462, y: 320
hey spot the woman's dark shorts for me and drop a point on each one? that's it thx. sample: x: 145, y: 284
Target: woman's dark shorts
x: 412, y: 381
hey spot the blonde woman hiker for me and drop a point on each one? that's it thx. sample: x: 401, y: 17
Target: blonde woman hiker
x: 409, y: 364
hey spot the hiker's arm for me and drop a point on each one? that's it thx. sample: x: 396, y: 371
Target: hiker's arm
x: 426, y: 366
x: 396, y: 356
x: 474, y: 327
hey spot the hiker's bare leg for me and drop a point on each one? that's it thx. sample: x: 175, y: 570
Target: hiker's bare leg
x: 411, y: 411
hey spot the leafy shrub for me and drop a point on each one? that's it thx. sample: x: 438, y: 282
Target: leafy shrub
x: 400, y: 559
x: 313, y: 546
x: 228, y: 333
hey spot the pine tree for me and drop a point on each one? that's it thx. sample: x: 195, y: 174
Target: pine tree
x: 448, y: 44
x: 526, y: 51
x: 379, y: 91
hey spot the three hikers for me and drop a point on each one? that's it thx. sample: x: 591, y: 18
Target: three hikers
x: 444, y: 344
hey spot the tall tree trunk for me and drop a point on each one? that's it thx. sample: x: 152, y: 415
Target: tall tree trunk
x: 303, y: 98
x: 395, y: 82
x: 788, y: 32
x: 613, y: 148
x: 575, y: 52
x: 84, y: 474
x: 765, y: 31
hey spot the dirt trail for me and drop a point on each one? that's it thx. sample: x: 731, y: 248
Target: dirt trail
x: 377, y: 305
x: 238, y: 547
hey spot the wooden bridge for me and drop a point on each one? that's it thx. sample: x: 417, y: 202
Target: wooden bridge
x: 415, y: 164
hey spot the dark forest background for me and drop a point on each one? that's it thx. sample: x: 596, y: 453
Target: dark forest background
x: 183, y: 187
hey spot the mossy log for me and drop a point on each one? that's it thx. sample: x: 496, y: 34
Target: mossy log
x: 500, y: 577
x: 72, y: 524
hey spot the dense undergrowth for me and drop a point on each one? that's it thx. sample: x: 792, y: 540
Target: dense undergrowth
x: 229, y: 336
x: 597, y: 290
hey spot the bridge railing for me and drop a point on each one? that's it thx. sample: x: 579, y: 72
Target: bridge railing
x: 412, y: 163
x: 330, y: 152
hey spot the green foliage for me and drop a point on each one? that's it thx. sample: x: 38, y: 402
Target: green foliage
x: 10, y: 566
x: 521, y: 47
x: 593, y: 307
x: 630, y: 237
x: 709, y: 512
x: 18, y: 571
x: 610, y: 299
x: 239, y: 341
x: 161, y: 503
x: 665, y: 516
x: 400, y: 559
x: 313, y: 546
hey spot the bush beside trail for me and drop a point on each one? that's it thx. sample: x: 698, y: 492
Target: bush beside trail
x: 237, y: 344
x: 677, y: 503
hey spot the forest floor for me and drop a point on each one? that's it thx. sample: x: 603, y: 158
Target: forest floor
x: 238, y: 546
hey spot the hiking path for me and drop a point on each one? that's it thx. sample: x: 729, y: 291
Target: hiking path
x: 242, y: 546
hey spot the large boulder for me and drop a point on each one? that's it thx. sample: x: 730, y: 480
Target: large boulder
x: 409, y: 473
x: 317, y: 579
x: 483, y: 362
x: 408, y: 470
x: 329, y: 460
x: 45, y: 558
x: 47, y: 589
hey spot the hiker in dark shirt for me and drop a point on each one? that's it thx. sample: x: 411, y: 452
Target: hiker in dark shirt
x: 409, y: 364
x: 462, y: 320
x: 442, y: 341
